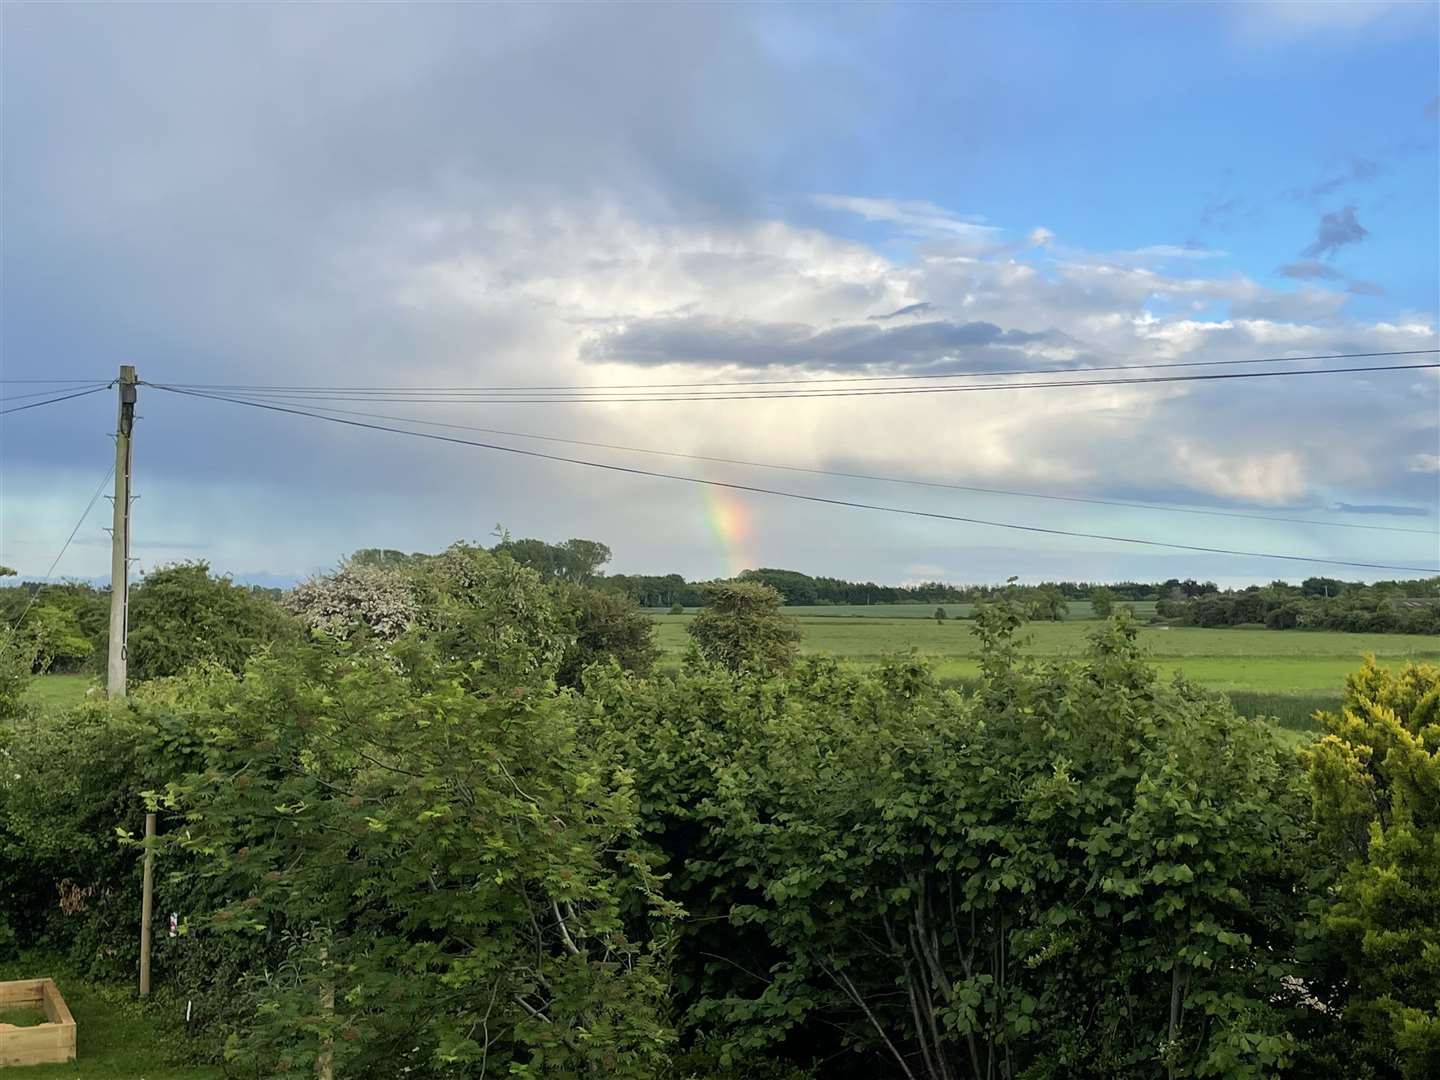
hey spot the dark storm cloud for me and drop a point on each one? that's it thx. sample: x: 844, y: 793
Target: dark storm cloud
x: 1336, y: 229
x: 706, y: 340
x: 1309, y: 268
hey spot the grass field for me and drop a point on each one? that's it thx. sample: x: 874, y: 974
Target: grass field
x: 1283, y: 673
x: 1287, y: 674
x: 115, y: 1040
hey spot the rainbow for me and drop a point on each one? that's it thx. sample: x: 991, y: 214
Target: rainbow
x: 733, y: 524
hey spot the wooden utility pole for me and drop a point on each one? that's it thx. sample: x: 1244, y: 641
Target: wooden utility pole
x: 120, y: 535
x: 147, y: 904
x: 120, y: 629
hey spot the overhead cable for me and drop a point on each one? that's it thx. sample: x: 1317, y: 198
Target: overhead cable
x: 1243, y: 516
x: 66, y: 546
x: 228, y: 387
x: 818, y: 499
x: 52, y: 401
x: 790, y: 395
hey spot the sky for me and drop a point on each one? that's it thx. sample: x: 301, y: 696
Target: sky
x: 601, y: 195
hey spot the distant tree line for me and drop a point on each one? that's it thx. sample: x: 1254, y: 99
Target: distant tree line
x: 1317, y: 604
x: 183, y: 613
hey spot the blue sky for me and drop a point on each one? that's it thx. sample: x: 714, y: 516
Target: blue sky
x: 451, y: 195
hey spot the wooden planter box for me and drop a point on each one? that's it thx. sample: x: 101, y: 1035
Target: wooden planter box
x: 51, y: 1041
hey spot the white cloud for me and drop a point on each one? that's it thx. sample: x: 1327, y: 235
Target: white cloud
x: 1264, y: 478
x: 1169, y: 251
x: 914, y: 216
x: 1281, y: 21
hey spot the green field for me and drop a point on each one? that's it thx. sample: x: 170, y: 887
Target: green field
x: 1282, y: 673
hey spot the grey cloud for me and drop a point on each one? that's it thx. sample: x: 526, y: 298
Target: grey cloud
x: 1357, y: 170
x: 1336, y: 229
x: 1432, y: 109
x: 909, y: 309
x: 706, y: 340
x: 1365, y: 288
x: 1224, y: 213
x: 261, y: 182
x: 1309, y: 268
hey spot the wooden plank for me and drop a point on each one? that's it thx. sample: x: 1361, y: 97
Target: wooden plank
x: 52, y: 1041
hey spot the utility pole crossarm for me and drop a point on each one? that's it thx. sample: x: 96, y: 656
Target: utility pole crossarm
x: 120, y: 535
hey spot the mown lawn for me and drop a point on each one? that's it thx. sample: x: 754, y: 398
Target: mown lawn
x: 60, y: 691
x: 115, y: 1038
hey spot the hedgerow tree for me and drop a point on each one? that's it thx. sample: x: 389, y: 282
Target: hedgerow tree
x: 741, y: 628
x: 60, y: 642
x: 1048, y: 603
x: 494, y: 613
x: 181, y: 616
x: 67, y: 622
x: 1102, y: 602
x: 574, y: 560
x: 1376, y: 782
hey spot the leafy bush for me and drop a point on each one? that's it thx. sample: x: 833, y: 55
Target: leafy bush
x: 1076, y: 871
x: 1376, y: 781
x: 363, y: 597
x: 606, y: 626
x: 452, y: 865
x: 17, y: 668
x: 741, y: 628
x: 65, y: 786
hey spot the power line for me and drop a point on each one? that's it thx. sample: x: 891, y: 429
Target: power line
x: 810, y: 379
x: 53, y: 382
x: 52, y: 401
x: 43, y: 393
x: 66, y: 547
x: 820, y: 499
x: 871, y: 477
x: 857, y: 392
